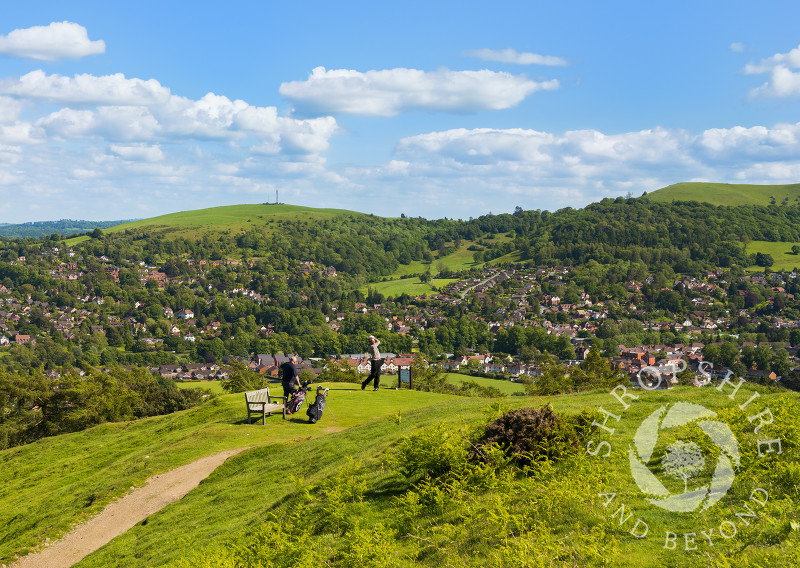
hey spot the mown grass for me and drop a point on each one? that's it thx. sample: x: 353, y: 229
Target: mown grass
x: 411, y: 286
x: 727, y: 193
x: 247, y: 489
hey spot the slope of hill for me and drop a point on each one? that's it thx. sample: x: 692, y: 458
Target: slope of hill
x: 61, y: 480
x: 234, y: 218
x: 336, y: 494
x: 45, y: 228
x: 728, y: 193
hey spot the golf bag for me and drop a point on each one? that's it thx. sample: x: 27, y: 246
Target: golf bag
x: 318, y: 407
x: 296, y: 400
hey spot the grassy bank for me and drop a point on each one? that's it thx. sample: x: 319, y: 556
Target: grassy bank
x: 362, y: 510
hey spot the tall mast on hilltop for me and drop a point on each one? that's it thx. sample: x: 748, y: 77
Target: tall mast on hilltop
x: 276, y: 197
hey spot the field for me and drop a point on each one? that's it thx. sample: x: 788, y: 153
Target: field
x: 342, y: 467
x: 411, y: 286
x: 458, y: 260
x: 780, y: 252
x: 727, y: 194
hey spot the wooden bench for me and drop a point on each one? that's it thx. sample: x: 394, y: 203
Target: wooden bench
x: 261, y: 402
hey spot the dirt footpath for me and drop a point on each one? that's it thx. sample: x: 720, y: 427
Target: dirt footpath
x: 119, y: 516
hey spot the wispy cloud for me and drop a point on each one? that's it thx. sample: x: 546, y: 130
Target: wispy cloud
x: 59, y: 40
x: 517, y: 57
x: 139, y: 152
x: 790, y: 60
x: 393, y: 91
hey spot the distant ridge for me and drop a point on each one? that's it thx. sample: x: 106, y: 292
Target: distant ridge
x: 728, y: 193
x: 63, y: 227
x: 233, y: 217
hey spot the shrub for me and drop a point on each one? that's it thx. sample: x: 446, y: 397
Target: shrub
x: 339, y: 371
x: 533, y: 434
x: 242, y: 379
x: 433, y: 451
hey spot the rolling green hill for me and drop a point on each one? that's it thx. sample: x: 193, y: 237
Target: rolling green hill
x: 232, y: 218
x: 336, y: 493
x: 728, y: 193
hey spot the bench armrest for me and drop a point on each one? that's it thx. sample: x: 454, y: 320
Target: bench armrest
x: 281, y: 399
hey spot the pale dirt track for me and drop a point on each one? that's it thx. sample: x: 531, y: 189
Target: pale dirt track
x: 120, y: 516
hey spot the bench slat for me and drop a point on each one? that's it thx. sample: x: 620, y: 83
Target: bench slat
x: 261, y: 402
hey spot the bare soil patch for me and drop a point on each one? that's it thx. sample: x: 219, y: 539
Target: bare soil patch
x: 120, y: 516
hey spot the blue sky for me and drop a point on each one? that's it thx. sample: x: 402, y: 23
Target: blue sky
x: 439, y: 109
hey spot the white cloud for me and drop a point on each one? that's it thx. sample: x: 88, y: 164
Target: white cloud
x: 545, y: 150
x: 790, y: 60
x: 737, y: 47
x: 782, y: 81
x: 126, y: 109
x: 10, y: 109
x: 138, y: 152
x: 777, y: 173
x: 20, y: 133
x: 86, y: 89
x: 133, y: 145
x: 779, y: 142
x: 517, y: 57
x: 10, y: 154
x: 392, y: 91
x: 481, y: 146
x: 547, y: 170
x: 59, y: 40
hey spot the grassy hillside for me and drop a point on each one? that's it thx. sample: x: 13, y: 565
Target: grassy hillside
x: 458, y: 260
x: 727, y: 193
x: 337, y: 489
x: 232, y: 217
x: 780, y: 252
x: 61, y: 480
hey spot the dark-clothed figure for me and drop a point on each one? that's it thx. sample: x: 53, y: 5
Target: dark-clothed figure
x: 290, y: 381
x: 375, y: 362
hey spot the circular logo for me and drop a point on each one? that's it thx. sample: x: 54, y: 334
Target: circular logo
x: 682, y: 460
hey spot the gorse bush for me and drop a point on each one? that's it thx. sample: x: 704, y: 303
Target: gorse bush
x: 528, y: 435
